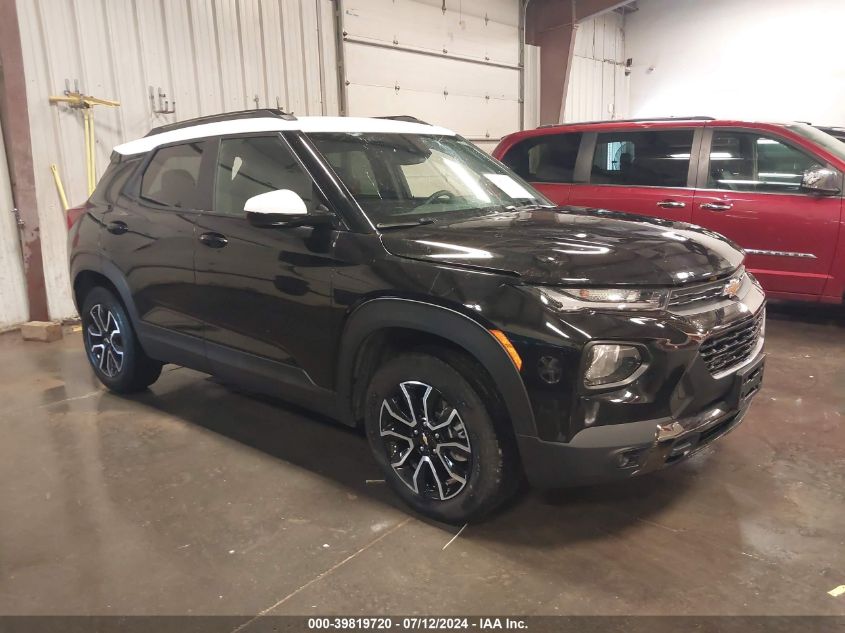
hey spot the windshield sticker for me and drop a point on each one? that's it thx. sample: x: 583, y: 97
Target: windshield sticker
x: 510, y: 186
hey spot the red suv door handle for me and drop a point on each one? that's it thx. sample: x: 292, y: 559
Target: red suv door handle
x: 717, y: 206
x: 671, y: 204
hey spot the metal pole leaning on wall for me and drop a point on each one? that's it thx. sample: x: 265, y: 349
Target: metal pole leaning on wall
x: 59, y: 187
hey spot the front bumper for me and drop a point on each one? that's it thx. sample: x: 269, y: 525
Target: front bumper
x: 611, y: 452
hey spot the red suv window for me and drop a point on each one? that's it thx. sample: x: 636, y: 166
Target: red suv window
x: 652, y: 159
x: 545, y: 158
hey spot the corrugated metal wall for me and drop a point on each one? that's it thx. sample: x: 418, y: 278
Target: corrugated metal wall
x: 206, y: 55
x: 13, y: 301
x: 598, y: 87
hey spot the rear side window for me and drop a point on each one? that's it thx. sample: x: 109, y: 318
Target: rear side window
x: 172, y: 176
x: 650, y: 159
x: 545, y: 158
x: 113, y: 180
x: 745, y: 161
x: 248, y: 167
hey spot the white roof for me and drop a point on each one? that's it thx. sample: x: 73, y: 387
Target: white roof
x: 275, y: 124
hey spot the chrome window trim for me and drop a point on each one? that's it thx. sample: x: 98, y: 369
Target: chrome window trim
x: 758, y: 251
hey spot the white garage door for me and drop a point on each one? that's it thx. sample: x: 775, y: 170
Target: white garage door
x: 453, y: 63
x: 13, y: 305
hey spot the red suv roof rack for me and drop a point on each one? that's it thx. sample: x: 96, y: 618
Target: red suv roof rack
x: 642, y: 120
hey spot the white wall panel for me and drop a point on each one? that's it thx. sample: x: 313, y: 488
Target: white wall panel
x: 208, y: 55
x: 598, y: 87
x: 779, y: 60
x: 531, y: 93
x: 13, y: 301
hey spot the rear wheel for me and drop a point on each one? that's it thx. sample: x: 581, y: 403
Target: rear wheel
x: 111, y: 346
x: 435, y: 440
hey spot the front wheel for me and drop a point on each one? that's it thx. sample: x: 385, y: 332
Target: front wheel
x: 435, y: 440
x: 111, y: 346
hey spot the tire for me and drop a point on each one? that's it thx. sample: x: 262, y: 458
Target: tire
x: 116, y: 357
x: 423, y: 456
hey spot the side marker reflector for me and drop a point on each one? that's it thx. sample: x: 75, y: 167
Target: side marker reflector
x: 509, y: 348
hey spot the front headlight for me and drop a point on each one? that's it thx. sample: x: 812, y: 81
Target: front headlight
x: 604, y: 298
x: 608, y: 364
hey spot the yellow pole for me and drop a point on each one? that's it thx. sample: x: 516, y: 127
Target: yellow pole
x: 86, y: 103
x: 87, y: 139
x: 93, y: 153
x: 60, y: 187
x: 89, y: 150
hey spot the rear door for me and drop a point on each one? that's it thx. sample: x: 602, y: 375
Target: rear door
x: 749, y: 190
x: 150, y: 236
x: 648, y: 172
x: 547, y: 162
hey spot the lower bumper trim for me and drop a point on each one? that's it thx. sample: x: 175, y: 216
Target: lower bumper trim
x: 555, y: 465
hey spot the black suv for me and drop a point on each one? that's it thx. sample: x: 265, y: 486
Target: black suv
x: 386, y: 272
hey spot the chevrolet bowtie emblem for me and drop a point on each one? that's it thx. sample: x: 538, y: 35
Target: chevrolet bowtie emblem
x: 732, y: 288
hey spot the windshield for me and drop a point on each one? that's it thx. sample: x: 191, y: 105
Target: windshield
x: 411, y: 177
x: 823, y: 139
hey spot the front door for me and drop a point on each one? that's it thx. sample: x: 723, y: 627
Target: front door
x: 265, y: 292
x: 644, y: 172
x: 751, y: 193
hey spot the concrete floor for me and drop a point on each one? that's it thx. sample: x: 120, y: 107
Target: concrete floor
x: 193, y: 499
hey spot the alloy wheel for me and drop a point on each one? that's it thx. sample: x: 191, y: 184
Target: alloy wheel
x: 426, y: 441
x: 105, y: 341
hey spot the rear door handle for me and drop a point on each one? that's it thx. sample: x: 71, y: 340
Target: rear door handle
x: 671, y: 204
x: 214, y: 240
x: 117, y: 227
x: 717, y: 206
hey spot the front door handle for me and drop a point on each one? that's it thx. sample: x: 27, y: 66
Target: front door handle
x: 717, y: 206
x: 117, y: 227
x: 671, y: 204
x: 214, y: 240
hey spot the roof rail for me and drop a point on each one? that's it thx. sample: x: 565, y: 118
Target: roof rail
x: 641, y: 120
x: 223, y: 116
x: 407, y: 118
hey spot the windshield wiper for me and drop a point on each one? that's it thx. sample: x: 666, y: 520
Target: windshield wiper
x: 386, y: 226
x: 529, y: 206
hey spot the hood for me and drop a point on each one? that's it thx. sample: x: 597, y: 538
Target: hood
x: 569, y: 245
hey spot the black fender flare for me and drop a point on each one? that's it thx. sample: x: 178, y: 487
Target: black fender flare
x: 94, y: 264
x: 469, y: 334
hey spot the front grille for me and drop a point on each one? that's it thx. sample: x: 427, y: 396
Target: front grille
x: 699, y: 296
x: 685, y: 297
x: 732, y: 346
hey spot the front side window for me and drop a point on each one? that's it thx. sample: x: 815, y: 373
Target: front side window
x: 171, y: 178
x: 746, y: 161
x: 399, y: 177
x: 658, y: 158
x: 548, y: 158
x: 248, y: 167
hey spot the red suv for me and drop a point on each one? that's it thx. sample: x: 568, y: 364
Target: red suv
x: 775, y: 189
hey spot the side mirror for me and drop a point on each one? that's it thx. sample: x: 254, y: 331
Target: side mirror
x: 822, y: 181
x: 275, y: 208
